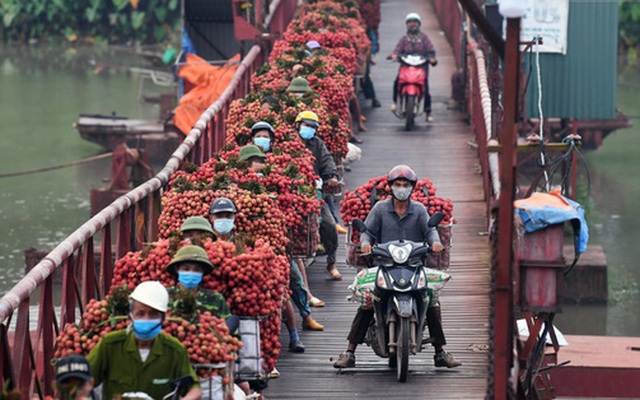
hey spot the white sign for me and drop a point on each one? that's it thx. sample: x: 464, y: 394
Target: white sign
x: 548, y: 19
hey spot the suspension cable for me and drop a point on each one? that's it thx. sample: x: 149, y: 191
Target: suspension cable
x: 54, y: 167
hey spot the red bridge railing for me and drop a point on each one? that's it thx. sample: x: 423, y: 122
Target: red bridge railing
x: 27, y: 349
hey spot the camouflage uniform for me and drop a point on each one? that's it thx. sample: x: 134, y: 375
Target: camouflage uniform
x: 207, y: 301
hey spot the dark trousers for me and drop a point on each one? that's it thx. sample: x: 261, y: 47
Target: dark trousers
x: 328, y: 233
x: 367, y: 84
x: 363, y: 319
x: 427, y: 94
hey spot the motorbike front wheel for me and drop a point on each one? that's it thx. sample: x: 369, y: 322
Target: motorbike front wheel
x: 409, y: 114
x: 402, y: 351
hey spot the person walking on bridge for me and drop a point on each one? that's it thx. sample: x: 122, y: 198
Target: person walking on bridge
x: 394, y: 219
x: 415, y: 42
x: 307, y: 122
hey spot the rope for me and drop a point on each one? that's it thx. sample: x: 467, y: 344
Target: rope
x: 541, y: 116
x: 65, y: 165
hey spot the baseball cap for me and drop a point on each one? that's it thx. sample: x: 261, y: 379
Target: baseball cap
x: 73, y: 366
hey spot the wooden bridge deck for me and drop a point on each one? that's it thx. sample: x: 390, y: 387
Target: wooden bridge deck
x: 440, y: 152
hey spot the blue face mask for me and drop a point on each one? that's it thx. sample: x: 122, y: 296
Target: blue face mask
x: 223, y: 225
x: 259, y: 174
x: 307, y: 132
x: 146, y: 329
x: 263, y: 142
x: 189, y: 279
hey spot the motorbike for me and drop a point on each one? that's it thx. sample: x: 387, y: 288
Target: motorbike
x: 411, y: 88
x: 400, y: 299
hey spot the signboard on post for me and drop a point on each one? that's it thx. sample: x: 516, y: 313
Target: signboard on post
x: 548, y: 19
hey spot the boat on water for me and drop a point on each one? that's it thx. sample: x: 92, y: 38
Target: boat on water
x: 158, y: 139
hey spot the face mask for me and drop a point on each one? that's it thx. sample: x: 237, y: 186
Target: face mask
x: 259, y: 174
x: 307, y: 132
x: 189, y: 279
x: 401, y: 194
x: 263, y: 142
x: 146, y: 329
x: 223, y: 225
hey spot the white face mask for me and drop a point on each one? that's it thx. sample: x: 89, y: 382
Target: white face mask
x: 401, y: 193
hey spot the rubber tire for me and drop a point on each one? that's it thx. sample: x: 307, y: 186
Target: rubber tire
x: 409, y: 112
x: 402, y: 351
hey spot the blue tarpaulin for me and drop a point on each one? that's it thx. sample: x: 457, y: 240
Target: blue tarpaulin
x: 544, y: 209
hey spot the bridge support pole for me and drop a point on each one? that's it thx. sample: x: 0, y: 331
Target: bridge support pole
x: 504, y: 311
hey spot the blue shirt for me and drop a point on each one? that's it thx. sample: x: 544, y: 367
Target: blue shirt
x: 384, y: 223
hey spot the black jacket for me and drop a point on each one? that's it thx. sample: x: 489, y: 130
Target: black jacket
x: 324, y: 166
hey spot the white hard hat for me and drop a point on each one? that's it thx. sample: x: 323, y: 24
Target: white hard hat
x: 413, y: 16
x: 152, y: 294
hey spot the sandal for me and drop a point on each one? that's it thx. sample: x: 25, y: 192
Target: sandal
x: 334, y: 274
x: 274, y: 374
x: 316, y: 302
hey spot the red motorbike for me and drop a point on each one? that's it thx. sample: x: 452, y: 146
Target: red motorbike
x: 411, y: 90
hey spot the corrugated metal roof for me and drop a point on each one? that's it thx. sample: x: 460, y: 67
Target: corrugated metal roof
x: 210, y: 27
x: 582, y: 83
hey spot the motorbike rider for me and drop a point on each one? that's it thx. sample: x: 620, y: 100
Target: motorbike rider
x: 222, y: 215
x: 263, y: 135
x: 254, y: 156
x: 141, y: 358
x: 73, y: 378
x: 394, y: 219
x: 195, y: 229
x: 189, y: 266
x: 415, y: 42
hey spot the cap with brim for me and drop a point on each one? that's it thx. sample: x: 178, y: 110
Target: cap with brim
x: 196, y: 224
x: 313, y: 44
x: 73, y: 366
x: 221, y: 205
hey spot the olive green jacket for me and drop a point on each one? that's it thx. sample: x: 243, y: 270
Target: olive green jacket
x: 116, y: 363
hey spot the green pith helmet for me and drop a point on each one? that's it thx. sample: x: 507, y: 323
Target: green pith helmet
x: 250, y: 150
x: 196, y: 224
x: 299, y: 85
x: 190, y: 253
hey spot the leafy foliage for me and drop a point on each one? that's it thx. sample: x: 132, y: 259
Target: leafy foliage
x: 629, y: 28
x: 103, y: 21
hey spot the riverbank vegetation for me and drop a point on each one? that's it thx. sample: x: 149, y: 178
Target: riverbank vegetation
x: 89, y: 21
x: 629, y: 31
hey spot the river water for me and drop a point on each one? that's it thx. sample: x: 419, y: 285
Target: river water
x: 614, y: 221
x: 44, y: 90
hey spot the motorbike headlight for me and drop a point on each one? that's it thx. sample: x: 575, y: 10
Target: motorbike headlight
x: 400, y: 254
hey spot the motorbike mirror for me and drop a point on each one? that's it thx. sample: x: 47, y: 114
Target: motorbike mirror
x: 435, y: 219
x: 359, y: 225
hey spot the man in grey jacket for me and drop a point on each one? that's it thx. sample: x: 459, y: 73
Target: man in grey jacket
x: 395, y: 219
